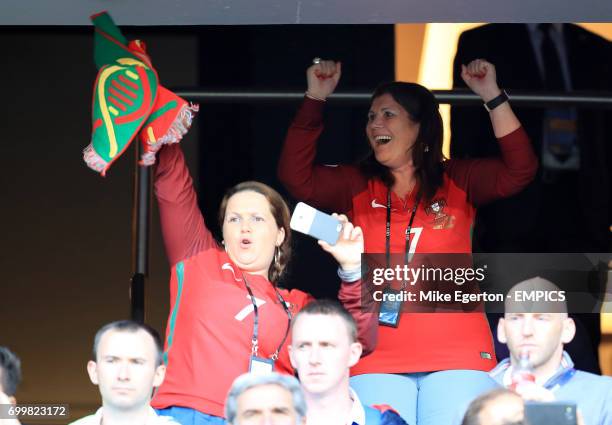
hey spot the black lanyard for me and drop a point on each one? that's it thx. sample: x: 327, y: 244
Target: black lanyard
x: 254, y: 340
x: 408, y: 229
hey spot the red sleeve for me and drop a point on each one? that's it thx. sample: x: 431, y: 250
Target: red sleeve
x: 300, y: 298
x: 485, y: 180
x: 182, y: 224
x: 364, y: 314
x: 326, y: 187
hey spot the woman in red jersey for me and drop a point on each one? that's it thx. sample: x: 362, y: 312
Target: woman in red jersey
x: 228, y: 315
x: 408, y: 199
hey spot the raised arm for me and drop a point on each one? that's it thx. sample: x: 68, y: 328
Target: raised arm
x: 489, y: 179
x: 183, y: 228
x: 480, y: 76
x: 325, y: 187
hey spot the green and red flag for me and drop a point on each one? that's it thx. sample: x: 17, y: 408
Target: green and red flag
x: 128, y: 100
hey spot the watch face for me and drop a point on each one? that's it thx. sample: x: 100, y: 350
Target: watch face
x: 494, y: 103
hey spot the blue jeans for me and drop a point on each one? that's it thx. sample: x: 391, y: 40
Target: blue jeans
x: 189, y: 416
x: 424, y: 398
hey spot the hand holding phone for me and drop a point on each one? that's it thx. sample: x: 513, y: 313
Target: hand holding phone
x: 312, y: 222
x: 349, y: 247
x: 335, y: 233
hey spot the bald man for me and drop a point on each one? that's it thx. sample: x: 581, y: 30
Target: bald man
x: 540, y: 329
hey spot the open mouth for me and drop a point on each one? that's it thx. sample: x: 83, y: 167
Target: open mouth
x: 245, y: 243
x: 382, y: 140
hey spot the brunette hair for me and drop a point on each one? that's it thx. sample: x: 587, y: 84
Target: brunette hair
x: 427, y: 157
x: 129, y: 326
x: 280, y: 212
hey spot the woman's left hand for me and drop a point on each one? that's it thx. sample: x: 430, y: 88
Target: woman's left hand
x: 347, y: 251
x: 479, y: 75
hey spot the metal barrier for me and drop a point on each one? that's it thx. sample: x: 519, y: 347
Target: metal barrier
x: 588, y: 99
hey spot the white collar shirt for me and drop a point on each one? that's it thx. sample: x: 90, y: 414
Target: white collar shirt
x: 152, y: 418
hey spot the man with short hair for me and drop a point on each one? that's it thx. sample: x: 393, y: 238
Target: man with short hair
x: 496, y: 407
x: 10, y: 376
x: 537, y: 332
x: 10, y: 373
x: 271, y: 398
x: 323, y: 349
x: 126, y: 366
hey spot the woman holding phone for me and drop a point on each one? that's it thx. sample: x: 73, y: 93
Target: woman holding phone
x: 228, y: 313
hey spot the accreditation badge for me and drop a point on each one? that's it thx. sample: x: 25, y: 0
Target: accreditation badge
x: 260, y: 366
x: 390, y: 311
x: 560, y: 150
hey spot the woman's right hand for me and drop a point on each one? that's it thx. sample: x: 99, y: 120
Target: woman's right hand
x: 323, y: 78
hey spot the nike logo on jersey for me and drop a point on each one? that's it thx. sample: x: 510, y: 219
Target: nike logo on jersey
x: 377, y: 205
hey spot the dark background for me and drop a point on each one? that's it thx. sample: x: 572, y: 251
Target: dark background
x: 243, y: 142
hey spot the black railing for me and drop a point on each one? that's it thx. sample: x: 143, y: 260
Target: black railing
x: 455, y: 97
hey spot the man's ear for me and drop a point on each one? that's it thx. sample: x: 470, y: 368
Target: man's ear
x: 12, y: 400
x: 569, y: 330
x: 356, y: 350
x: 160, y: 374
x: 92, y: 371
x: 501, y: 332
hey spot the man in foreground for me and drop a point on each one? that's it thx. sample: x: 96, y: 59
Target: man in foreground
x: 535, y: 335
x: 323, y: 349
x: 126, y: 366
x: 271, y: 398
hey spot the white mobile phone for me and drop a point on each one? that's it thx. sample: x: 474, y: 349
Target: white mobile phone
x: 312, y: 222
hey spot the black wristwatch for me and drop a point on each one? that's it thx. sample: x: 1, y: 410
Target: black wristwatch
x: 495, y: 102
